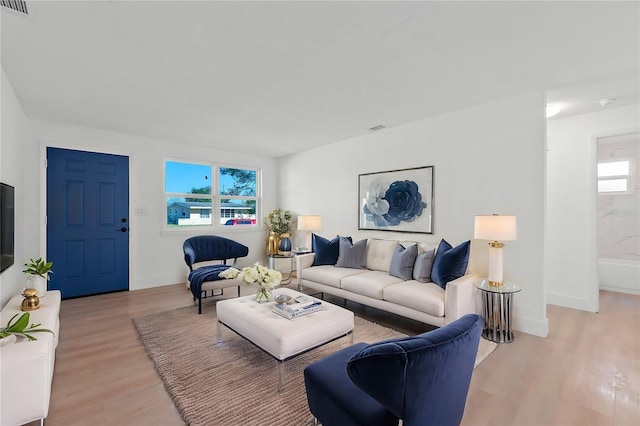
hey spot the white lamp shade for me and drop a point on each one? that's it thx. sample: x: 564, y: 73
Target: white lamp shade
x: 309, y: 223
x: 495, y: 228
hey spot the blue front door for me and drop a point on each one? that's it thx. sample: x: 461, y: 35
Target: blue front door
x: 87, y: 222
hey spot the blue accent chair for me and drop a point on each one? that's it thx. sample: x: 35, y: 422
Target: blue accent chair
x: 422, y: 380
x: 211, y: 248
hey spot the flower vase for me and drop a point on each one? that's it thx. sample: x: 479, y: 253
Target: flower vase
x: 37, y: 282
x: 263, y: 295
x: 284, y: 247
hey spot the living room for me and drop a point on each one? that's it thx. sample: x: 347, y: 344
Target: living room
x: 489, y: 151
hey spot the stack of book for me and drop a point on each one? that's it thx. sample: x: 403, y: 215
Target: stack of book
x: 302, y: 306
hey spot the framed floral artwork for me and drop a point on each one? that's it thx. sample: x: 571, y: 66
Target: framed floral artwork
x: 396, y: 200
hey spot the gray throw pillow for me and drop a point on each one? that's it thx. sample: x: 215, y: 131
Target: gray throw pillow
x: 422, y: 266
x: 352, y: 255
x: 402, y: 261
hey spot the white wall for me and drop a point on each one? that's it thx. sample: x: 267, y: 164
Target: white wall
x: 156, y: 257
x: 570, y: 253
x: 487, y: 159
x: 15, y: 137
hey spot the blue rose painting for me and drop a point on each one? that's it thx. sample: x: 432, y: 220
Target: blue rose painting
x: 391, y: 204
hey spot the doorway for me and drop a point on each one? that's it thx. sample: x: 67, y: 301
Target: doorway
x: 618, y: 213
x: 87, y: 222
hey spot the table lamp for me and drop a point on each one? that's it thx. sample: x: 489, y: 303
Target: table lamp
x: 495, y: 228
x: 309, y: 223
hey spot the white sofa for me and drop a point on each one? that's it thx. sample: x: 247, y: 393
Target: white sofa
x: 374, y: 286
x: 26, y: 367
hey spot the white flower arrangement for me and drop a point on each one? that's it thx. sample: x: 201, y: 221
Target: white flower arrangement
x: 278, y: 221
x: 267, y: 279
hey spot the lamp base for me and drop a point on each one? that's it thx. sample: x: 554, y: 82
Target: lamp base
x: 496, y: 283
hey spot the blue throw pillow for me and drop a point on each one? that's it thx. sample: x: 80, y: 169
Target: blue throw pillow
x: 402, y: 261
x: 326, y: 251
x: 450, y: 262
x: 352, y: 255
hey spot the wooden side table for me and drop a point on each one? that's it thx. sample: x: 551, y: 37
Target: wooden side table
x: 496, y: 307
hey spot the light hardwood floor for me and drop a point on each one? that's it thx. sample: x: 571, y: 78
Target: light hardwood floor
x: 586, y: 372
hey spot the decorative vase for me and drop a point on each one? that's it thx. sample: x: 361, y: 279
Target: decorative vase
x: 31, y: 301
x: 284, y: 247
x: 272, y: 243
x: 37, y: 282
x: 263, y: 295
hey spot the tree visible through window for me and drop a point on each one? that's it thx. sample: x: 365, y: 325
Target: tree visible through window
x: 191, y: 201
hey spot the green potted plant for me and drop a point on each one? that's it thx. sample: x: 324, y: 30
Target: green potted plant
x: 38, y: 274
x: 20, y: 327
x: 279, y: 224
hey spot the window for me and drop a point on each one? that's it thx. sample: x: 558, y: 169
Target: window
x: 614, y: 176
x: 192, y: 202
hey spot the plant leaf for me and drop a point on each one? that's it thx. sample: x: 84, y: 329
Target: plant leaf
x: 39, y: 330
x: 20, y: 324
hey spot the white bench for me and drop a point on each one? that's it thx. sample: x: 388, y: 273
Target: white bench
x: 26, y: 367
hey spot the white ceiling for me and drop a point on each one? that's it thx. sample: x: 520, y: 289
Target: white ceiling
x: 274, y: 78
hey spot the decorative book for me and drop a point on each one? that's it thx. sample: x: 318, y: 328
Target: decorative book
x: 297, y: 309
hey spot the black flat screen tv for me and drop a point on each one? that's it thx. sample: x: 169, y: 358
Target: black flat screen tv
x: 7, y: 225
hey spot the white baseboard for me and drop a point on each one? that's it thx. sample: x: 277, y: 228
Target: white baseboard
x: 571, y: 302
x: 625, y: 290
x: 529, y: 326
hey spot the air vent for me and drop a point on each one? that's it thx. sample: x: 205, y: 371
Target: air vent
x: 17, y: 5
x: 378, y: 127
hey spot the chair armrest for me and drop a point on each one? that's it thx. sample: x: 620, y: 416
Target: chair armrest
x: 304, y: 261
x: 461, y: 297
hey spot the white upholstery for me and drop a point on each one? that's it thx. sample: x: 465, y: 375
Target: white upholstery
x: 379, y: 254
x: 281, y: 337
x: 329, y: 275
x: 26, y: 367
x: 371, y: 283
x: 425, y: 302
x: 425, y: 297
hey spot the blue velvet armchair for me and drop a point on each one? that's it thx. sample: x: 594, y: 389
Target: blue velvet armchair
x: 421, y: 380
x: 211, y: 248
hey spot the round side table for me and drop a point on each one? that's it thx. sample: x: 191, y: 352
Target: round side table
x: 496, y: 306
x: 286, y: 275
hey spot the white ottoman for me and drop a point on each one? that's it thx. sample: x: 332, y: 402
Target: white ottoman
x: 282, y: 338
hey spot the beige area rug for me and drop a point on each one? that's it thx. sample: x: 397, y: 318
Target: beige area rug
x: 236, y: 383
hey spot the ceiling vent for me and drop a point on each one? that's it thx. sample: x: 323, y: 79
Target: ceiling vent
x: 17, y: 5
x: 378, y: 127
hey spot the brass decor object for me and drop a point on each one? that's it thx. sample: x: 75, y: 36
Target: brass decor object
x: 31, y: 301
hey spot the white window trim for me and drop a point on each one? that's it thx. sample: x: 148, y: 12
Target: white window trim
x: 215, y: 198
x: 627, y: 177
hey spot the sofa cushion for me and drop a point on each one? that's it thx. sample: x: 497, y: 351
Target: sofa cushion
x: 422, y: 266
x: 450, y: 262
x: 379, y: 254
x: 423, y: 297
x: 326, y: 251
x: 402, y: 261
x: 328, y: 274
x: 369, y: 283
x: 352, y: 255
